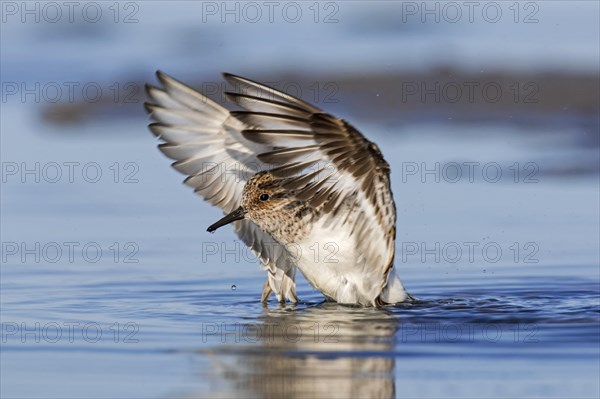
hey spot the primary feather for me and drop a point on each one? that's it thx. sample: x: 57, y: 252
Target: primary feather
x: 330, y: 165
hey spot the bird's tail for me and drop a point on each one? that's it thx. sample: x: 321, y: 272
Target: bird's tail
x: 394, y: 291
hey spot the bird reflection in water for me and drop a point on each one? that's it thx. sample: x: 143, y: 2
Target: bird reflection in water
x: 325, y: 351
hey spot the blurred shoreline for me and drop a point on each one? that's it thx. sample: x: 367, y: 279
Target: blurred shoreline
x: 561, y: 106
x: 546, y: 98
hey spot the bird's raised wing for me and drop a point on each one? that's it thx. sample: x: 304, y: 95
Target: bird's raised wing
x: 327, y: 161
x: 206, y: 143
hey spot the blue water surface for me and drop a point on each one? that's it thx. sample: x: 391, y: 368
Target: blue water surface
x: 111, y: 286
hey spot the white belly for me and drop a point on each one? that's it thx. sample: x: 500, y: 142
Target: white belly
x: 330, y: 262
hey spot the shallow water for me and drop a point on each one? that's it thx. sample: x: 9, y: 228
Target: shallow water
x: 185, y: 336
x: 111, y: 287
x: 167, y: 315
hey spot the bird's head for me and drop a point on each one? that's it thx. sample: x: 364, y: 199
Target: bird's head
x: 264, y: 202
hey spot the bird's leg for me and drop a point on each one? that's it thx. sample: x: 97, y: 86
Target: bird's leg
x: 293, y: 298
x: 266, y: 292
x: 281, y: 297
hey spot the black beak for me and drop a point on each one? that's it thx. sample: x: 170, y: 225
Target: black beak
x: 232, y: 217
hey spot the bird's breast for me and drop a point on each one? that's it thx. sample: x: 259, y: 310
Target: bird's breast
x: 328, y: 257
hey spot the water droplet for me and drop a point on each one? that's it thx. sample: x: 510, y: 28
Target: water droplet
x: 233, y: 287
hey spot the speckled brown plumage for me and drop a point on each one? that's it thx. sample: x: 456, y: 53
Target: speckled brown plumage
x: 304, y: 178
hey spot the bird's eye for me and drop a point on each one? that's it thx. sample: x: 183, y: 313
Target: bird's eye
x: 264, y: 197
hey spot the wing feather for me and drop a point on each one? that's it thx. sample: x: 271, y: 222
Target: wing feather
x: 360, y: 173
x: 206, y: 141
x: 331, y: 164
x: 266, y: 92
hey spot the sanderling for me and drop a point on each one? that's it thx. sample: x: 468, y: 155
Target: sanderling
x: 303, y: 188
